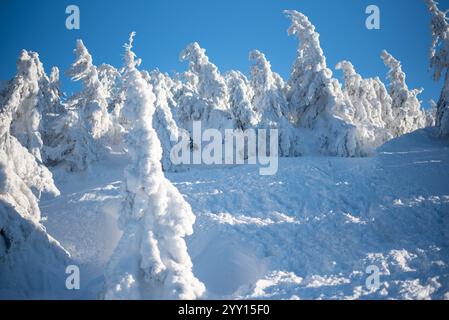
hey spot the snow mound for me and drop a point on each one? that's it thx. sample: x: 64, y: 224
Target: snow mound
x: 32, y: 263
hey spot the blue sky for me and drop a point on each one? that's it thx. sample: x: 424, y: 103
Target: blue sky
x: 228, y: 30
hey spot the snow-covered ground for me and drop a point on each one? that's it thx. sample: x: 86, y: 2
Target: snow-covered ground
x: 308, y: 232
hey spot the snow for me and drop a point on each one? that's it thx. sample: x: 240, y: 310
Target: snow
x: 32, y: 262
x: 308, y: 232
x: 359, y: 191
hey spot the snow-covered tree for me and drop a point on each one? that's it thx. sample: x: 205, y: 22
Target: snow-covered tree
x: 110, y: 79
x: 203, y: 96
x: 269, y: 100
x: 92, y: 100
x: 370, y: 108
x: 211, y: 85
x: 52, y: 118
x: 431, y: 114
x: 27, y: 117
x: 84, y: 128
x: 191, y: 108
x: 54, y: 93
x: 32, y: 263
x: 151, y: 260
x: 240, y: 96
x: 29, y: 98
x: 369, y: 98
x: 73, y: 146
x: 439, y: 61
x: 30, y: 177
x: 316, y: 100
x: 407, y: 113
x: 163, y: 122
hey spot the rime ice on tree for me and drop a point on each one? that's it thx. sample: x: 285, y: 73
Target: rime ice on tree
x: 316, y: 101
x: 151, y: 260
x: 406, y: 107
x: 439, y: 62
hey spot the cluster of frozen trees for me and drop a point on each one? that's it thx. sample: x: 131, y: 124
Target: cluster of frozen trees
x: 313, y: 112
x: 143, y: 113
x: 31, y: 261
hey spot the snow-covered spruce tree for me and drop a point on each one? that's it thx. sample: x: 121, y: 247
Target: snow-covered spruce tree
x: 204, y: 94
x: 317, y: 103
x: 73, y: 147
x: 439, y: 62
x: 240, y: 97
x: 370, y: 108
x: 110, y: 78
x: 151, y: 260
x: 84, y: 129
x: 92, y: 100
x: 407, y: 113
x: 55, y: 93
x: 32, y: 263
x: 369, y: 97
x: 23, y: 166
x: 211, y: 85
x: 269, y: 101
x: 163, y: 122
x: 30, y: 97
x: 431, y: 114
x: 52, y: 119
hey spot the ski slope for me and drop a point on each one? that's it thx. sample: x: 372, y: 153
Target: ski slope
x: 308, y: 232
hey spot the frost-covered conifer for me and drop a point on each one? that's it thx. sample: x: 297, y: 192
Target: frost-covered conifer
x: 406, y: 108
x: 240, y: 96
x: 92, y: 100
x: 30, y: 98
x: 370, y: 108
x: 204, y: 95
x: 439, y: 62
x: 32, y: 263
x: 269, y: 100
x: 211, y: 86
x: 316, y: 100
x: 110, y: 79
x: 84, y: 128
x: 151, y: 260
x: 431, y: 114
x: 163, y: 122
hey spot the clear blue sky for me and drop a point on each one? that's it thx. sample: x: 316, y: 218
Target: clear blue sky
x: 228, y: 29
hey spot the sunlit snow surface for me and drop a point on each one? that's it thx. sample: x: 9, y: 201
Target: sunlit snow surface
x: 308, y: 232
